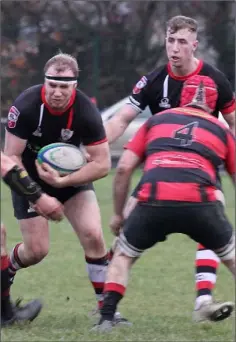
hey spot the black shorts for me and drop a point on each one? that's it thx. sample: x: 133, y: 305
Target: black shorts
x: 23, y: 210
x: 205, y: 223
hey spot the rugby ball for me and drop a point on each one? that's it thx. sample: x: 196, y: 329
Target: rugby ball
x: 65, y: 158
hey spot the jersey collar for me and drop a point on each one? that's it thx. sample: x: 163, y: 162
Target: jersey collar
x: 185, y: 77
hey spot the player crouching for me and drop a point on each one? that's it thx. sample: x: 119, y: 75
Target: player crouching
x: 182, y: 149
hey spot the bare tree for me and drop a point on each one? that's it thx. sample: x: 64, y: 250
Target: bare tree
x: 115, y: 42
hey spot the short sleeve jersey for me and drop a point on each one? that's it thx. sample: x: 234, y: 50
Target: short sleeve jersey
x: 30, y: 118
x: 161, y: 89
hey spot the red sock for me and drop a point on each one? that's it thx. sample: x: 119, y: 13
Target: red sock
x: 114, y: 287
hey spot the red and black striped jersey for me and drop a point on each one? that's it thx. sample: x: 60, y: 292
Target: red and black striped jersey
x: 161, y: 89
x: 182, y: 149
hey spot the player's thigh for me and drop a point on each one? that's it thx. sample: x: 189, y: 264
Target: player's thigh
x: 142, y: 230
x: 83, y: 213
x: 34, y: 228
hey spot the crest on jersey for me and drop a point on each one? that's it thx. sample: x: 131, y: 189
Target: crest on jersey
x: 66, y: 134
x: 13, y: 117
x: 164, y: 103
x: 141, y: 84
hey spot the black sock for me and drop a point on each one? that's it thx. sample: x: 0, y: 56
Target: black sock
x: 111, y: 300
x: 6, y: 308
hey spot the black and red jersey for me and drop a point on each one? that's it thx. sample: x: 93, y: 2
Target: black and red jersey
x: 161, y: 89
x: 182, y: 149
x: 31, y: 118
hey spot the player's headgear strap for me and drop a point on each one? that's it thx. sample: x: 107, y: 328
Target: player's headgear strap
x: 199, y: 91
x: 62, y: 79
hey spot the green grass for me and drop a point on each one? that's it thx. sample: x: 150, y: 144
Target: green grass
x: 159, y: 299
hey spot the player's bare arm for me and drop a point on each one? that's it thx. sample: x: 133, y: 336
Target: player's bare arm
x: 97, y: 168
x: 116, y: 126
x: 20, y: 182
x: 230, y: 119
x: 124, y: 170
x: 121, y: 184
x: 230, y: 160
x: 14, y: 147
x: 6, y: 164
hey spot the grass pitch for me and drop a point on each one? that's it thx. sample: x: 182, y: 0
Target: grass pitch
x: 159, y: 299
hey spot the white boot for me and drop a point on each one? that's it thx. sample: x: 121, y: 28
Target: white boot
x: 213, y: 311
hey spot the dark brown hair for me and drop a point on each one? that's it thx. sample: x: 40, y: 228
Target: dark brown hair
x: 181, y: 22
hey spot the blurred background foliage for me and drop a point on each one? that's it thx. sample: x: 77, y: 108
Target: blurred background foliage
x: 115, y: 42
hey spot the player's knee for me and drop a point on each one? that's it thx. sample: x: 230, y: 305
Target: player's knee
x: 93, y: 238
x: 37, y: 252
x: 125, y: 248
x: 227, y: 253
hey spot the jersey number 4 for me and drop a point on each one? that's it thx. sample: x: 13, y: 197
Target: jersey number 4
x: 185, y: 134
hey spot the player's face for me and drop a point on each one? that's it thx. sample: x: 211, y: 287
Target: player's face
x: 58, y: 94
x: 180, y: 47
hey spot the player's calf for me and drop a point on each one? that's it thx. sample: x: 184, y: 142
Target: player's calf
x: 116, y: 282
x: 206, y: 265
x: 97, y: 269
x: 35, y: 246
x: 207, y: 309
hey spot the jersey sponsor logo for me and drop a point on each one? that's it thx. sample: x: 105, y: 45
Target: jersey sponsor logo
x: 13, y: 117
x: 141, y: 84
x: 164, y: 103
x: 66, y: 134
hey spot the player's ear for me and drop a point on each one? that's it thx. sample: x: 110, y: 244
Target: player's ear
x: 75, y: 85
x: 195, y: 45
